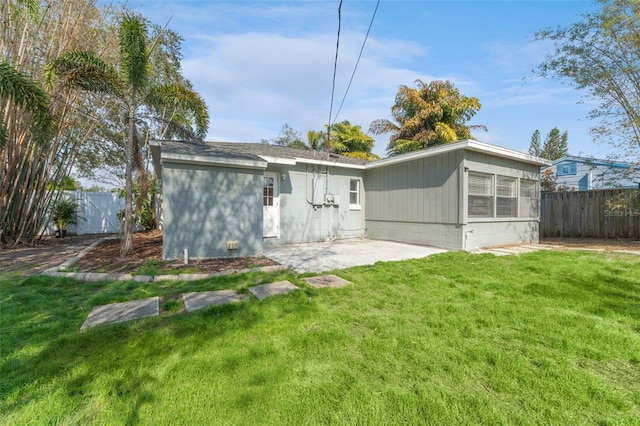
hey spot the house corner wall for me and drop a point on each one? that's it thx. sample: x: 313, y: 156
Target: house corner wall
x: 204, y: 207
x: 416, y: 201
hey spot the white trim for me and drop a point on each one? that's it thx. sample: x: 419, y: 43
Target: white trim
x: 278, y: 160
x: 331, y: 163
x: 273, y: 210
x: 213, y: 161
x: 468, y: 144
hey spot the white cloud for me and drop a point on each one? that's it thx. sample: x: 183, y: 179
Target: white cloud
x: 273, y: 79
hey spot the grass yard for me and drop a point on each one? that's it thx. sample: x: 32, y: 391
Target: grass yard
x: 541, y: 338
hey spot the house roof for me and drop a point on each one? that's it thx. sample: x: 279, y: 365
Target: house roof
x: 596, y: 162
x: 245, y: 155
x: 259, y: 155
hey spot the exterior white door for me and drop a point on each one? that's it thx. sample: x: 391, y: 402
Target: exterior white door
x: 270, y: 206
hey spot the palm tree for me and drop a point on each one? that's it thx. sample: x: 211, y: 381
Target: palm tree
x: 132, y: 88
x: 431, y: 114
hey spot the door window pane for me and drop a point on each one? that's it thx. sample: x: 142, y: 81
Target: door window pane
x: 267, y: 192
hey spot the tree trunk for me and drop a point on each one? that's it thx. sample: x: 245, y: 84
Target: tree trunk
x: 127, y: 229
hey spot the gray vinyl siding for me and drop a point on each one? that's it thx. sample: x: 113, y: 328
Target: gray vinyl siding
x: 301, y: 221
x: 204, y: 207
x: 432, y: 234
x: 416, y: 201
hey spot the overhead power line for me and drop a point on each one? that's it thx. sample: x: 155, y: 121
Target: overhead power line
x: 335, y: 68
x: 356, y: 66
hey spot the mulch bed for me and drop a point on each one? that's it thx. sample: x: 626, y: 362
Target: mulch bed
x: 147, y: 246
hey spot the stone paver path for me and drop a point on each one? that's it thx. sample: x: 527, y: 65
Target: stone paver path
x: 125, y: 311
x: 203, y: 299
x: 265, y: 290
x: 327, y: 281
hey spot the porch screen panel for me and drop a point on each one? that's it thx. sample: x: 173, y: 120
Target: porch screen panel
x: 528, y: 198
x: 480, y: 189
x: 506, y: 196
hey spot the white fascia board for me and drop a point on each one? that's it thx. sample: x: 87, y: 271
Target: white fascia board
x: 212, y: 161
x: 469, y: 144
x: 330, y: 163
x: 486, y: 148
x: 278, y: 160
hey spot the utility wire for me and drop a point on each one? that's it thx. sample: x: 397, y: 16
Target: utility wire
x: 356, y: 66
x: 335, y: 68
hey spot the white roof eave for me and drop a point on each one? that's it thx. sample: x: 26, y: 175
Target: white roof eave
x: 213, y: 161
x: 470, y: 145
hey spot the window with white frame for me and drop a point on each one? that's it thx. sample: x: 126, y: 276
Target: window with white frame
x: 528, y: 198
x: 354, y: 194
x: 506, y: 196
x: 480, y: 195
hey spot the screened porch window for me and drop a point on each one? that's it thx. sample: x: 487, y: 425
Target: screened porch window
x: 528, y: 198
x: 506, y: 196
x: 480, y: 195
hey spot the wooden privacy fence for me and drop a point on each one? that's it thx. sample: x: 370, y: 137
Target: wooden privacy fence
x: 601, y: 213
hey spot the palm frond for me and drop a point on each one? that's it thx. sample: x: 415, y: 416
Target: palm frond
x: 81, y: 69
x: 180, y: 97
x: 133, y: 51
x: 19, y: 89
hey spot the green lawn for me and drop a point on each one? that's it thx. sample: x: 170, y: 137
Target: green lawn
x: 541, y: 338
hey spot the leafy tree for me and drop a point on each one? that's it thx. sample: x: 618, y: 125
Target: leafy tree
x: 601, y: 55
x: 548, y: 180
x: 428, y: 115
x: 43, y: 122
x: 348, y: 139
x: 289, y: 137
x: 534, y: 146
x: 555, y: 145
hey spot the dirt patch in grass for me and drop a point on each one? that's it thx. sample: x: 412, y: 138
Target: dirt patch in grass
x: 593, y: 243
x: 146, y: 259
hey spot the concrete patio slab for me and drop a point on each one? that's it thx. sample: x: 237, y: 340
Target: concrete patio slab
x: 120, y: 312
x: 203, y: 299
x: 323, y: 281
x: 265, y: 290
x: 340, y: 254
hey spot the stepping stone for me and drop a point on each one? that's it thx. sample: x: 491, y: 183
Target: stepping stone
x: 266, y: 290
x: 195, y: 301
x: 120, y: 312
x: 327, y: 281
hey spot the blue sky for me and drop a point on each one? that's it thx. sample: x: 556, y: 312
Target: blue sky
x: 261, y: 64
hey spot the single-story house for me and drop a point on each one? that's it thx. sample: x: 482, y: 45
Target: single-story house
x: 232, y: 199
x: 581, y: 174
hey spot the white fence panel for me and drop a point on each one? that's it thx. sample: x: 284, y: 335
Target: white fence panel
x: 98, y: 211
